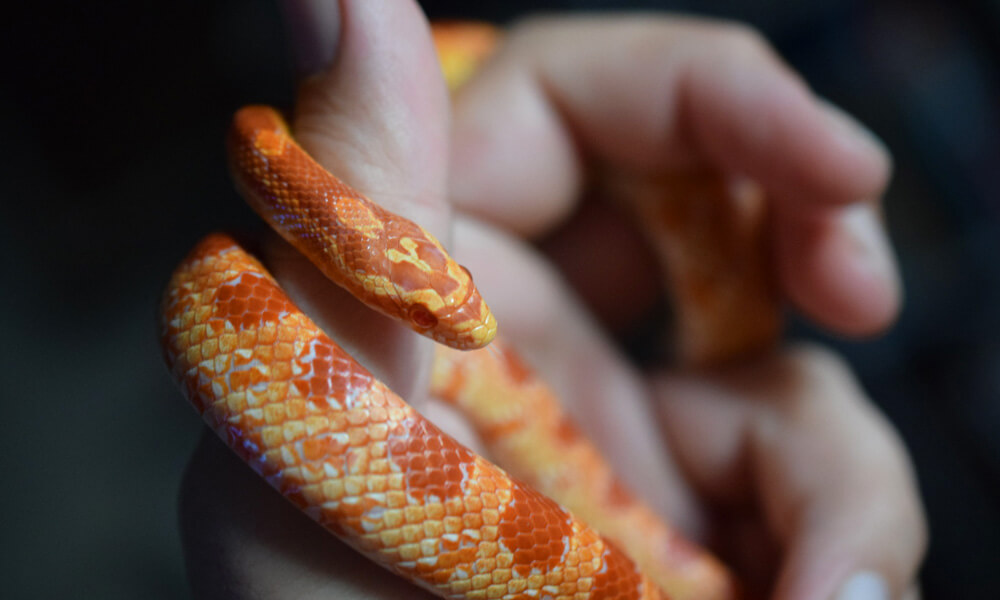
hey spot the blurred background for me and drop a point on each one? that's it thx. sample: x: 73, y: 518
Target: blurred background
x: 113, y: 167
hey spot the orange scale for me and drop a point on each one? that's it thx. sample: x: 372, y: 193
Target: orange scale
x: 256, y: 305
x: 397, y: 447
x: 302, y: 387
x: 224, y: 294
x: 295, y: 409
x: 247, y: 339
x: 356, y: 416
x: 356, y: 460
x: 436, y: 462
x: 487, y: 487
x: 452, y: 490
x: 442, y: 575
x: 452, y: 472
x: 268, y: 333
x: 275, y: 304
x: 524, y: 557
x: 281, y: 371
x: 436, y: 481
x: 378, y: 414
x: 244, y: 357
x: 453, y: 507
x: 286, y: 334
x: 353, y: 507
x: 415, y: 444
x: 259, y: 376
x: 567, y: 588
x: 315, y: 449
x: 338, y: 420
x: 235, y: 307
x: 416, y: 480
x: 357, y: 436
x: 238, y: 379
x: 319, y: 386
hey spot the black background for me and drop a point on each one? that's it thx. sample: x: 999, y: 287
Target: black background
x: 113, y: 166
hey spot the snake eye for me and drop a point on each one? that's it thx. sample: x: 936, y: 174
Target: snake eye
x: 422, y: 316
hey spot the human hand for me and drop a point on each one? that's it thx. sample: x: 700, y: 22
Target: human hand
x: 377, y: 117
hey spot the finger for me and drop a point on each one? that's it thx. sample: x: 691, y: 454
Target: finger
x: 557, y: 337
x: 376, y: 113
x: 859, y: 292
x: 242, y: 540
x: 796, y: 435
x: 661, y: 94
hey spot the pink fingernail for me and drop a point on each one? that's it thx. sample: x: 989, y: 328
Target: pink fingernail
x: 870, y: 247
x: 865, y: 585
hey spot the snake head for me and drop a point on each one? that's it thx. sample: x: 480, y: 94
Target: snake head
x: 434, y: 294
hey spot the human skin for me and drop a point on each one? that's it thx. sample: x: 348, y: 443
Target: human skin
x: 782, y: 462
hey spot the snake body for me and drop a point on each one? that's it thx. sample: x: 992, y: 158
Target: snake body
x: 347, y: 451
x: 360, y: 461
x: 521, y: 422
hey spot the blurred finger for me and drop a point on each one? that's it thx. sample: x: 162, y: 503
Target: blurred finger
x: 376, y: 114
x: 667, y: 94
x: 796, y: 435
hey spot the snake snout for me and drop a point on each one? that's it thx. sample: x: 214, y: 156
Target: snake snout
x: 469, y: 324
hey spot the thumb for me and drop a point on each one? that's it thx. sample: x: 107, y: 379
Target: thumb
x: 371, y: 109
x: 372, y: 106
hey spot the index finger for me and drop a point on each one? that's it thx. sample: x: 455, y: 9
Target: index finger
x: 647, y: 95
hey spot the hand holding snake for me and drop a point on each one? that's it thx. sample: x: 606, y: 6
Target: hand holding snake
x: 392, y: 145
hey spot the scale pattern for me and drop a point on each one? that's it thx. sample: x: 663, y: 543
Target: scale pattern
x: 356, y: 458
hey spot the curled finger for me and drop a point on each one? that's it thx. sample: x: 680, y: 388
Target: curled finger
x: 795, y: 437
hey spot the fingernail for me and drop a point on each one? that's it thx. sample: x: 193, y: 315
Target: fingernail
x: 865, y: 585
x: 313, y: 29
x: 851, y: 132
x: 869, y: 243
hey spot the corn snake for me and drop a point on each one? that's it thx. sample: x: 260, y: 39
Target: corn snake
x: 355, y: 457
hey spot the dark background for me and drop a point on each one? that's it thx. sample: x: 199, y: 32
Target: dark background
x: 113, y: 166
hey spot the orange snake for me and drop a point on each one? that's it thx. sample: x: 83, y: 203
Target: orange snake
x: 356, y: 458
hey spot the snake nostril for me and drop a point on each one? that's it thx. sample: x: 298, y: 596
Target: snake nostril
x: 422, y: 316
